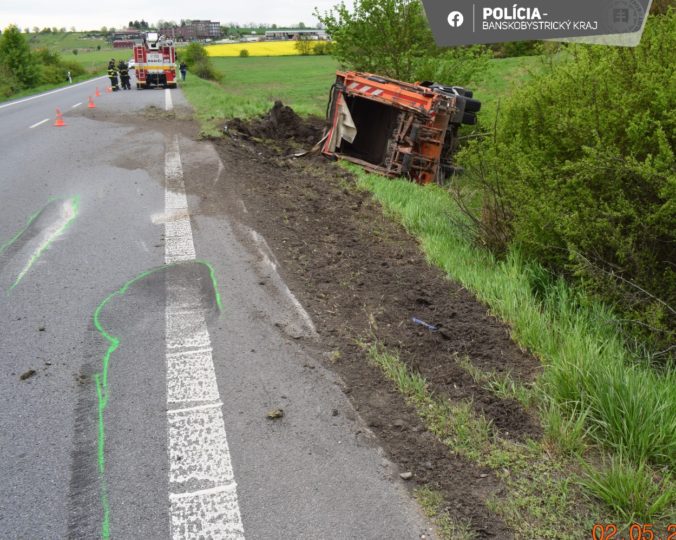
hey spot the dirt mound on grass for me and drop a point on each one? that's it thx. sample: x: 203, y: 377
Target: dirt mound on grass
x: 280, y: 123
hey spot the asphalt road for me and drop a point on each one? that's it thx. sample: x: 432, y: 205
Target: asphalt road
x: 131, y: 404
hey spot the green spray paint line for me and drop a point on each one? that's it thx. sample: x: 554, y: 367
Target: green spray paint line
x: 74, y: 203
x: 101, y: 379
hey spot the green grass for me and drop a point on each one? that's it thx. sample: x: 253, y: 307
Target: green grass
x: 97, y: 61
x: 46, y: 88
x: 500, y: 78
x: 249, y: 87
x: 432, y: 503
x: 540, y: 499
x: 628, y: 409
x: 64, y: 42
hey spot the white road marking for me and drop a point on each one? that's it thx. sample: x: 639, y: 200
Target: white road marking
x: 168, y: 104
x: 76, y: 105
x: 197, y: 408
x: 52, y: 92
x: 203, y: 491
x: 268, y: 259
x: 39, y: 123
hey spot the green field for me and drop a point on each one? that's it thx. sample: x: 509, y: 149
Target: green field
x: 500, y: 77
x: 65, y: 42
x: 249, y: 86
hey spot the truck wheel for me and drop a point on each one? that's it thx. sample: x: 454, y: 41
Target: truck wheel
x: 469, y: 119
x: 472, y: 105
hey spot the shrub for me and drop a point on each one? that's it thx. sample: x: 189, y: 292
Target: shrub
x: 205, y: 70
x: 582, y: 169
x: 198, y: 61
x: 303, y: 45
x: 244, y: 53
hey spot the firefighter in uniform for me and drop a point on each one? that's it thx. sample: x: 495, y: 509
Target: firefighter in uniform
x: 123, y: 68
x: 112, y: 75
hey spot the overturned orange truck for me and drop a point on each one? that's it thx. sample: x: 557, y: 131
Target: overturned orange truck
x: 397, y: 128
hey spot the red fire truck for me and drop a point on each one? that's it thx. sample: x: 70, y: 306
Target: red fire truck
x: 155, y: 60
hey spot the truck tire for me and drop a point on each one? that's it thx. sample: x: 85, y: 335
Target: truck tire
x: 469, y: 119
x: 472, y: 105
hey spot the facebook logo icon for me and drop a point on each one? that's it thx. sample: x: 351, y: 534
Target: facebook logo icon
x: 455, y: 19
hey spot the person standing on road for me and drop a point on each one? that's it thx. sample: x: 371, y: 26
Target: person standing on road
x: 183, y: 68
x: 112, y: 75
x: 123, y: 68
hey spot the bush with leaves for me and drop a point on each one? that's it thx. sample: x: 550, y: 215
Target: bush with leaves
x: 582, y: 175
x: 303, y: 45
x: 16, y: 58
x: 196, y: 58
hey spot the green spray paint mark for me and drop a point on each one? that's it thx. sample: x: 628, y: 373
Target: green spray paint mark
x: 74, y: 206
x: 101, y: 379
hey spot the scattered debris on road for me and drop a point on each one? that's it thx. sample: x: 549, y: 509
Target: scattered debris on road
x: 275, y: 414
x: 28, y: 374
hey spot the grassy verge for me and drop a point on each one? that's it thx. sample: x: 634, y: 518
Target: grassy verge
x: 541, y: 499
x: 590, y: 383
x: 47, y: 87
x: 432, y: 503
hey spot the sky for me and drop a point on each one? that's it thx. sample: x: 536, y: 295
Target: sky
x: 94, y: 14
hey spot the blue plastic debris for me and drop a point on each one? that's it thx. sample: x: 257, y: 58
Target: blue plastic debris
x: 430, y: 327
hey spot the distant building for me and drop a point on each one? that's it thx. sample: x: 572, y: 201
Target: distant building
x: 295, y: 34
x: 195, y: 30
x: 125, y: 39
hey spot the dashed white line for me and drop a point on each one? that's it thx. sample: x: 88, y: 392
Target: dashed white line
x: 203, y: 492
x: 39, y: 123
x: 76, y: 105
x: 168, y: 104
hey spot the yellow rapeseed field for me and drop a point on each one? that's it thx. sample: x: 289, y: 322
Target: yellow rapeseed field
x: 256, y: 48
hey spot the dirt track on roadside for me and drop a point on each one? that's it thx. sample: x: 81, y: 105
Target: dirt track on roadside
x: 361, y: 276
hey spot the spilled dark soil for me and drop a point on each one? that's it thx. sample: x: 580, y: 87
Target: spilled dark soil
x: 361, y: 276
x: 281, y: 123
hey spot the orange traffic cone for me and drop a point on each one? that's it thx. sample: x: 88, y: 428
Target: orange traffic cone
x: 91, y: 103
x: 97, y: 94
x: 59, y: 119
x: 109, y: 89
